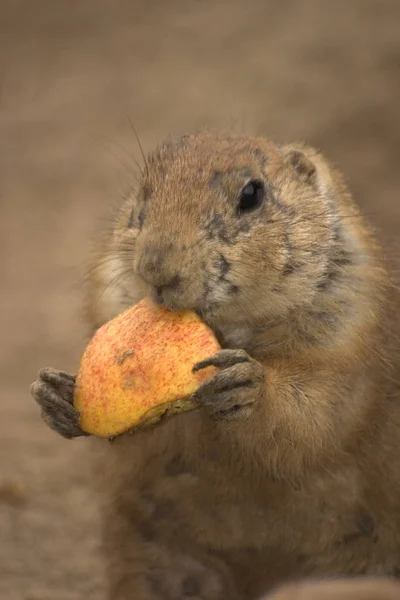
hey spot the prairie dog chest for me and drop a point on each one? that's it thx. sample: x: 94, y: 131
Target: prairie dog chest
x: 184, y: 489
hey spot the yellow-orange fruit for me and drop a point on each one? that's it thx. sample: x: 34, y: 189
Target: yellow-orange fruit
x: 138, y: 368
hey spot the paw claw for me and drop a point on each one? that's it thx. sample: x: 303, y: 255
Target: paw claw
x: 231, y: 393
x: 232, y: 414
x: 56, y: 378
x: 224, y: 359
x: 227, y: 380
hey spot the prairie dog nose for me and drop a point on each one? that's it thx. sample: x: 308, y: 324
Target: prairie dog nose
x: 156, y: 270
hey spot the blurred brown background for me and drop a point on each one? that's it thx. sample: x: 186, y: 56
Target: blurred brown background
x: 71, y: 71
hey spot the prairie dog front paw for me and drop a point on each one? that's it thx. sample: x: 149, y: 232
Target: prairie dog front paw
x: 54, y: 392
x: 233, y: 392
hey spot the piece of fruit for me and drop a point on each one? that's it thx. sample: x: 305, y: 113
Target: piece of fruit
x: 138, y: 368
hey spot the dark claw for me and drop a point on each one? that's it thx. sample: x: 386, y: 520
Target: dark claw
x: 205, y: 392
x: 225, y: 381
x: 230, y: 394
x: 224, y: 359
x: 231, y: 414
x: 55, y: 377
x: 223, y: 403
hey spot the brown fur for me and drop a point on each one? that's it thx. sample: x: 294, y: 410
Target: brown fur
x: 290, y: 468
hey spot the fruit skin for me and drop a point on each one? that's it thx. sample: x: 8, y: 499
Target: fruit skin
x: 138, y: 367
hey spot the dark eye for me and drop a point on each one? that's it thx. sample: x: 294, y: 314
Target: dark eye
x: 251, y: 196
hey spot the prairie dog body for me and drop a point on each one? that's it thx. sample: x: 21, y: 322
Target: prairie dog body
x: 290, y: 467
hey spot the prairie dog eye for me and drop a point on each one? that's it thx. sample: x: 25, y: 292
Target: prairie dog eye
x: 251, y: 196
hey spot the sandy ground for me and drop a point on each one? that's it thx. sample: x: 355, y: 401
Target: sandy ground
x: 71, y: 72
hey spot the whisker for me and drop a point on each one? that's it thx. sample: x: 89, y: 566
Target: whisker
x: 140, y: 145
x: 121, y: 147
x: 114, y: 280
x: 132, y: 156
x: 102, y: 263
x: 126, y: 166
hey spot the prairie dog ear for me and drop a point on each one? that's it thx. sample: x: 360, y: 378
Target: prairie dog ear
x: 301, y: 162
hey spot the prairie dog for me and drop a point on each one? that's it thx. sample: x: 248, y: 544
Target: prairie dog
x: 290, y: 466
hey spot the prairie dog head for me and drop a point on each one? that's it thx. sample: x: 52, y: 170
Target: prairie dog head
x: 239, y: 229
